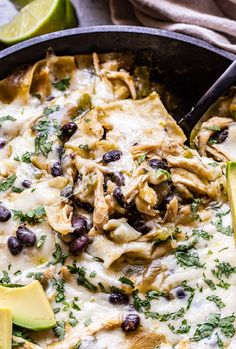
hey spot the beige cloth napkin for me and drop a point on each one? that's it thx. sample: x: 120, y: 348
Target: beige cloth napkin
x: 210, y: 20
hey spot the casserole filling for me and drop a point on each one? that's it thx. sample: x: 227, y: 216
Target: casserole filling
x: 126, y: 228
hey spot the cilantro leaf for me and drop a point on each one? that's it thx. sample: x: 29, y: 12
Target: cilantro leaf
x: 5, y: 185
x: 63, y: 84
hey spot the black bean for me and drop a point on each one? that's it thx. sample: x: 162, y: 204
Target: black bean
x: 2, y: 142
x: 80, y: 224
x: 78, y: 245
x: 141, y: 227
x: 60, y: 151
x: 5, y: 214
x: 67, y: 131
x: 119, y: 196
x: 119, y: 179
x: 156, y: 164
x: 112, y: 155
x: 56, y: 169
x: 130, y: 323
x: 167, y: 199
x: 14, y: 245
x: 26, y: 183
x: 180, y: 293
x: 87, y: 207
x: 105, y: 183
x: 222, y: 135
x: 67, y: 191
x: 132, y: 212
x: 118, y: 298
x: 26, y: 236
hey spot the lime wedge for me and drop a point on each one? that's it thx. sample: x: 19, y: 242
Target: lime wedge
x: 231, y: 189
x: 71, y: 18
x: 36, y: 18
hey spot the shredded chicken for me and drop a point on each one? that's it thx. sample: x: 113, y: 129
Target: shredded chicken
x: 207, y: 130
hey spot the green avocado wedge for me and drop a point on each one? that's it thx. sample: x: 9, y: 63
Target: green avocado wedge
x: 29, y: 305
x: 231, y: 189
x: 5, y: 328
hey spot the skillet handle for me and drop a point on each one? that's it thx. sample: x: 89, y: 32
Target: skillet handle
x: 188, y: 122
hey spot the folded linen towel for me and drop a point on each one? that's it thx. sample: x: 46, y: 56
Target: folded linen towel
x: 210, y: 20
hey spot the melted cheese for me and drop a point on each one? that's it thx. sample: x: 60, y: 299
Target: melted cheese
x: 118, y: 256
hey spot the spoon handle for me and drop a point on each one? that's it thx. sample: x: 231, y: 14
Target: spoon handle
x: 215, y: 91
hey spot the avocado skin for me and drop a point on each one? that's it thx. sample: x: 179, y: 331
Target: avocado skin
x: 29, y: 305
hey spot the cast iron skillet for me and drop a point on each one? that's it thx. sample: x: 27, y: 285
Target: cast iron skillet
x: 187, y: 66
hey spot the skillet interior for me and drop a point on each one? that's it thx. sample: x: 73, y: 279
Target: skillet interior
x: 186, y: 65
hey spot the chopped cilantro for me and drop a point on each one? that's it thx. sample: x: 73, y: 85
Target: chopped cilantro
x: 32, y: 217
x: 37, y: 276
x: 166, y: 316
x: 141, y: 158
x: 26, y: 157
x: 50, y: 110
x: 210, y: 283
x: 6, y: 118
x: 126, y: 281
x: 186, y: 247
x: 16, y: 189
x: 84, y: 147
x: 219, y: 224
x: 97, y: 259
x: 5, y: 279
x: 188, y: 259
x: 160, y: 173
x: 184, y: 328
x: 81, y: 277
x: 205, y: 330
x: 58, y: 255
x: 59, y: 330
x: 194, y: 209
x: 5, y: 185
x: 202, y: 233
x: 60, y: 289
x: 21, y: 333
x: 63, y: 84
x: 42, y: 146
x: 215, y: 321
x: 93, y: 274
x: 217, y: 301
x: 190, y: 289
x: 72, y: 319
x: 151, y: 294
x: 139, y: 303
x: 41, y: 241
x: 102, y: 287
x: 223, y: 269
x: 87, y: 322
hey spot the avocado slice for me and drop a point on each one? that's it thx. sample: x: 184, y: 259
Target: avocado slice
x: 5, y: 328
x: 29, y: 305
x: 231, y: 189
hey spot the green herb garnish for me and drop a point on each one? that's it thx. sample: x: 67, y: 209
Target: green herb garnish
x: 81, y: 277
x: 63, y: 84
x: 5, y: 185
x: 6, y: 118
x: 32, y: 217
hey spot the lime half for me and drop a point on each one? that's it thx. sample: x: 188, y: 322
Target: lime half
x: 36, y: 18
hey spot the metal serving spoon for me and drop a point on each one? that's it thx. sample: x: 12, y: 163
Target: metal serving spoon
x: 189, y: 121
